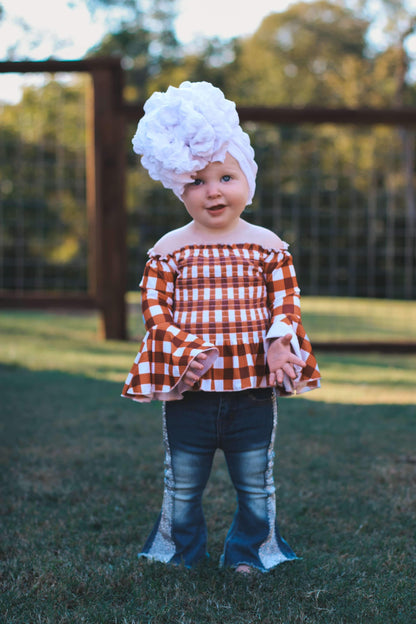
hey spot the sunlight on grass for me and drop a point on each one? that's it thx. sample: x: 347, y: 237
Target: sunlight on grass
x: 369, y: 320
x: 68, y: 343
x: 337, y: 319
x: 63, y: 342
x: 366, y: 379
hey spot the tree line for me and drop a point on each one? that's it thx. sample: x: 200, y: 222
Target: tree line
x: 312, y: 54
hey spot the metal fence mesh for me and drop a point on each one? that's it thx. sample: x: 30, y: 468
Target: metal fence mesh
x: 342, y: 197
x: 43, y: 239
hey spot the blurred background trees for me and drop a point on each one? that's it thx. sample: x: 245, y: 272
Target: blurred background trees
x: 312, y: 54
x: 345, y: 52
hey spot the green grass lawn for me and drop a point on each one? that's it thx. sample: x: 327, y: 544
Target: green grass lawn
x: 339, y: 319
x: 82, y: 470
x: 367, y: 320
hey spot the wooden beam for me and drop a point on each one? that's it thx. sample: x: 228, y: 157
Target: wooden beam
x: 359, y: 116
x: 54, y: 66
x: 312, y: 115
x: 106, y: 204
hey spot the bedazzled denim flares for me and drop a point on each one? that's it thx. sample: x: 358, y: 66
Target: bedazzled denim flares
x: 243, y: 425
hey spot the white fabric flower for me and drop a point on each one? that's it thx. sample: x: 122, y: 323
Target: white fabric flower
x: 186, y: 128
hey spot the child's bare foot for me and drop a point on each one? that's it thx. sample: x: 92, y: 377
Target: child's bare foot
x: 244, y: 569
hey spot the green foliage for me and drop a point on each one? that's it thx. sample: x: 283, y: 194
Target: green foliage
x: 42, y: 165
x: 328, y: 187
x: 293, y: 54
x: 145, y: 40
x: 311, y: 53
x: 212, y: 60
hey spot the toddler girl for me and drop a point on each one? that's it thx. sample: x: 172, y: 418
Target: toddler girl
x: 224, y: 334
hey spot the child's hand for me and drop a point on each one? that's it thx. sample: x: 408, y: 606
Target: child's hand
x: 190, y: 378
x: 280, y: 360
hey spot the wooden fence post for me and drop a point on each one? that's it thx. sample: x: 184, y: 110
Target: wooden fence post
x: 106, y: 202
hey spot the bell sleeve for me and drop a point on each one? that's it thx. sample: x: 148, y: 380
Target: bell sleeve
x: 285, y: 318
x: 166, y: 351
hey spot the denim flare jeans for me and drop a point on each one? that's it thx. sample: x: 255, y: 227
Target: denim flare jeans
x: 243, y: 425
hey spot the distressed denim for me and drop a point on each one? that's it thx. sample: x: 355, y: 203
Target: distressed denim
x: 241, y: 424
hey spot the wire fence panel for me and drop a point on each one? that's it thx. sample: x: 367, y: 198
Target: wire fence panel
x: 342, y: 197
x: 43, y: 239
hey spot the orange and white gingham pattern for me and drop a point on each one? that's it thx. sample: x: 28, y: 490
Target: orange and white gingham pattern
x: 226, y: 301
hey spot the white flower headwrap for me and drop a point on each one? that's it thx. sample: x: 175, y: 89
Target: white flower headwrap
x: 185, y: 129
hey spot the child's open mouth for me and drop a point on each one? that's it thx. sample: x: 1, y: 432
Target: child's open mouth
x: 217, y: 208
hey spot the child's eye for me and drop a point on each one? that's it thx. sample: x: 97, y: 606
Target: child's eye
x: 196, y: 182
x: 226, y: 178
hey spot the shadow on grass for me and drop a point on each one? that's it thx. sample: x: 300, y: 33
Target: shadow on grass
x: 81, y: 487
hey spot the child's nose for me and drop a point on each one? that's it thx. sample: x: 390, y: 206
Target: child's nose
x: 213, y: 189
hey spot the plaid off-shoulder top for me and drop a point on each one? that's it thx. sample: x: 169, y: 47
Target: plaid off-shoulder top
x: 227, y: 301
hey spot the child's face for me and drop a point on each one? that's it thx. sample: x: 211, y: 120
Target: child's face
x: 218, y: 195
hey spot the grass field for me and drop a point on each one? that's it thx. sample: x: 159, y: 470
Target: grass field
x: 340, y: 319
x: 81, y: 473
